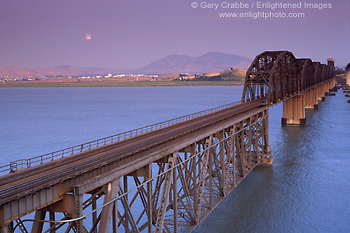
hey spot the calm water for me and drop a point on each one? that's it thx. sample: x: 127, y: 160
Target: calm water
x: 35, y: 121
x: 307, y: 189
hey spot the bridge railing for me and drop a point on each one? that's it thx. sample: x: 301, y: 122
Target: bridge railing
x: 27, y: 163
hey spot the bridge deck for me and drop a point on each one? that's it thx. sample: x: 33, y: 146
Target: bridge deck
x: 31, y: 180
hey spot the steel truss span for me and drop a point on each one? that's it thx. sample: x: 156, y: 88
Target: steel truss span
x: 278, y: 75
x: 174, y: 193
x: 166, y: 180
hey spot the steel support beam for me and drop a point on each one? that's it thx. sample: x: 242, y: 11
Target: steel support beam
x: 110, y: 191
x: 38, y: 224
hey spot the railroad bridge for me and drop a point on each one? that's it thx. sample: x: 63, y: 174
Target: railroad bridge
x: 166, y: 177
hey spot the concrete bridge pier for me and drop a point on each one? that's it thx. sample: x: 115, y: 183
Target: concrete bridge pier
x: 331, y: 85
x: 311, y: 99
x: 294, y: 108
x: 294, y: 111
x: 327, y: 86
x: 321, y: 93
x: 324, y: 89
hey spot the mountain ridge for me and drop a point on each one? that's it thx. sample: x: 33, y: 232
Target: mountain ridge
x: 176, y: 63
x: 208, y: 62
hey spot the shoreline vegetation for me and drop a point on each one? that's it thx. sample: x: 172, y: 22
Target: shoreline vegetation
x: 228, y: 77
x: 121, y: 84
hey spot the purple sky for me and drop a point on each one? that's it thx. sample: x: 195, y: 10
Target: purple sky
x: 128, y: 34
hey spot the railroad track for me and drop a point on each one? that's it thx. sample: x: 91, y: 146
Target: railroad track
x: 20, y: 183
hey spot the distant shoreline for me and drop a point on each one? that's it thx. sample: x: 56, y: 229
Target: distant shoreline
x: 122, y: 84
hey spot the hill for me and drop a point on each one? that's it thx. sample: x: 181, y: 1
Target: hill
x: 231, y: 75
x: 209, y: 62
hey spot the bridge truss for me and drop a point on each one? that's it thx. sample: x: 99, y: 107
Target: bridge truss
x: 278, y: 75
x: 171, y: 194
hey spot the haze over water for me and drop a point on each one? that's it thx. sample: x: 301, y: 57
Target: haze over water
x: 306, y: 190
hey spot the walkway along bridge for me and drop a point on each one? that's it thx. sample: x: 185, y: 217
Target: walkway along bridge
x: 164, y: 177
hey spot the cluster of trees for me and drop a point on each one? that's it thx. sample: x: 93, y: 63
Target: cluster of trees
x: 226, y: 76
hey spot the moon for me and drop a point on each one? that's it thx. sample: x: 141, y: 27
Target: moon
x: 88, y: 36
